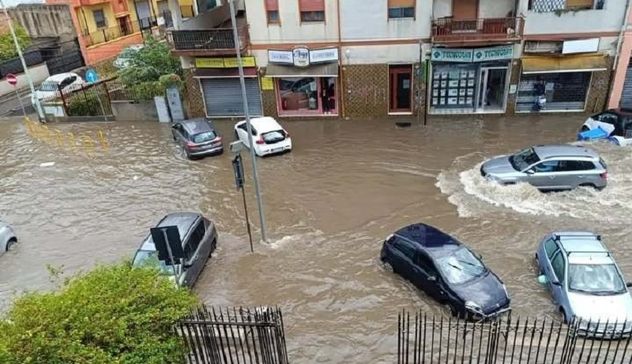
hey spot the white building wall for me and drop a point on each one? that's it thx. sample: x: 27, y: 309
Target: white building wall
x: 486, y: 8
x: 608, y: 19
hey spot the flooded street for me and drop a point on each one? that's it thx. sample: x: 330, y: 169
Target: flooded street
x: 329, y: 204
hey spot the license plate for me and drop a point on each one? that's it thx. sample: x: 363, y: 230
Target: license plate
x: 277, y: 149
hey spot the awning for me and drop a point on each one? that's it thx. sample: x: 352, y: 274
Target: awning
x: 581, y: 63
x: 320, y: 70
x: 223, y: 72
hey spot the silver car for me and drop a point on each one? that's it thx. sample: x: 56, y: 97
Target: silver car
x: 585, y: 282
x: 549, y: 168
x: 7, y: 237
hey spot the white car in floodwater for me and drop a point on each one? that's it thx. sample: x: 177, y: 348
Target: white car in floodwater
x: 268, y: 136
x: 7, y: 237
x: 614, y: 125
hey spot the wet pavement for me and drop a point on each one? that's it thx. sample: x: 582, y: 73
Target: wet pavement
x: 329, y: 204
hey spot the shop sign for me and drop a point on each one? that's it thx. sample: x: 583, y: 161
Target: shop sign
x: 267, y: 83
x: 283, y: 57
x: 452, y: 55
x: 493, y: 53
x: 303, y: 57
x: 323, y: 55
x: 224, y: 62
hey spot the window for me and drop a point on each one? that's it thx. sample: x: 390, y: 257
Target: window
x: 558, y: 266
x: 546, y: 166
x: 571, y: 166
x: 461, y: 266
x: 272, y: 11
x: 194, y: 241
x: 550, y: 247
x: 563, y: 91
x: 99, y: 18
x: 312, y: 10
x: 598, y: 279
x: 543, y: 6
x: 306, y: 95
x: 404, y: 247
x: 401, y: 9
x: 426, y: 264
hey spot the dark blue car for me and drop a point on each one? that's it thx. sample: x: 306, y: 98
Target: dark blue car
x: 445, y: 270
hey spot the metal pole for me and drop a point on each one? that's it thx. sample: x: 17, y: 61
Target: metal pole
x: 243, y: 195
x: 17, y: 94
x: 244, y: 98
x: 38, y: 106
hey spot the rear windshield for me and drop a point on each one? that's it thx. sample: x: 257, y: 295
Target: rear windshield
x: 273, y: 136
x: 204, y: 137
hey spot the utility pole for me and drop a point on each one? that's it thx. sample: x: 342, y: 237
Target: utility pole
x: 38, y: 106
x: 244, y: 99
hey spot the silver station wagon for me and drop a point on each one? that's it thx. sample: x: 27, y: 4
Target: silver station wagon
x: 549, y: 168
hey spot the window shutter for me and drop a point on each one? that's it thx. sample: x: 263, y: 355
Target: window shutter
x: 401, y: 4
x: 570, y: 4
x: 272, y: 4
x: 312, y: 5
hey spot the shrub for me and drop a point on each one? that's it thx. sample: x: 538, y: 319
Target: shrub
x: 146, y: 90
x: 113, y: 314
x: 84, y: 104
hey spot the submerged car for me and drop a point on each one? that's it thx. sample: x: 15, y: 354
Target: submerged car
x: 446, y: 270
x: 549, y: 168
x: 197, y: 137
x: 614, y: 124
x: 124, y: 58
x: 7, y: 237
x: 54, y: 85
x: 585, y: 282
x: 199, y: 240
x: 268, y: 136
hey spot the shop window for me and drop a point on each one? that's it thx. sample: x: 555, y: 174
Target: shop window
x: 565, y: 91
x: 307, y: 95
x: 453, y: 86
x: 312, y: 10
x: 401, y: 9
x: 99, y: 18
x: 272, y: 11
x: 543, y: 6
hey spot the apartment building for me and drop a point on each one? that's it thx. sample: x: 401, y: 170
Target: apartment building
x: 621, y: 91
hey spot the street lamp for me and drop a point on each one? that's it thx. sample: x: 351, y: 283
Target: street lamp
x: 38, y: 106
x: 244, y: 99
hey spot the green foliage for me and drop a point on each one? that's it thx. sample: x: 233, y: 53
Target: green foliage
x: 171, y: 80
x: 113, y: 314
x: 146, y: 90
x: 84, y: 104
x: 7, y: 46
x: 149, y: 63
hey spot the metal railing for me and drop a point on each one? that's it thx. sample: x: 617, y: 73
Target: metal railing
x: 111, y: 33
x: 428, y: 339
x: 488, y: 29
x: 207, y: 39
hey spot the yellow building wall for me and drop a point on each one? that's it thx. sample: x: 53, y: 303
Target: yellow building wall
x: 85, y: 16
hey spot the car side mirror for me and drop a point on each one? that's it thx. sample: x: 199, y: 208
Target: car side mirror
x: 529, y: 171
x: 432, y: 278
x: 629, y: 284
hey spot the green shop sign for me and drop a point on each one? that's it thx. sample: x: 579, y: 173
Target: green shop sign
x: 467, y: 55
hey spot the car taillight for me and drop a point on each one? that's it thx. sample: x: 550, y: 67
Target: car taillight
x: 260, y: 141
x: 287, y: 135
x: 604, y: 175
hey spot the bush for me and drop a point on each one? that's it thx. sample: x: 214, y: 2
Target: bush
x: 146, y: 90
x: 149, y: 63
x: 84, y: 104
x: 113, y: 314
x: 7, y: 46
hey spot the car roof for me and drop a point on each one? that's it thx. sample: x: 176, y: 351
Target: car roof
x: 564, y: 150
x: 198, y: 125
x: 264, y: 124
x: 429, y: 238
x: 583, y: 247
x: 60, y: 77
x: 183, y: 220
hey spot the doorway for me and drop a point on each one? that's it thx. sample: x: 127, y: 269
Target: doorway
x: 400, y: 88
x: 492, y: 92
x: 124, y: 25
x: 464, y: 9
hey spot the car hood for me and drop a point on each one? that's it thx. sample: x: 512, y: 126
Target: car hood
x: 498, y: 165
x: 601, y: 308
x: 486, y: 291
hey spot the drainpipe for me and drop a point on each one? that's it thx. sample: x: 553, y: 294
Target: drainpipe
x: 342, y: 73
x: 617, y: 54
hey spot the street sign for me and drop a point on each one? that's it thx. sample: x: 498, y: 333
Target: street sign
x: 168, y: 243
x: 238, y: 169
x: 236, y: 147
x: 91, y: 75
x: 12, y: 79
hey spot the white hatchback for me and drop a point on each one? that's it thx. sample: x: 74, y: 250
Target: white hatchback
x: 268, y: 136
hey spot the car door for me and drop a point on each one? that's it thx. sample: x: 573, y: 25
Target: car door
x: 194, y: 259
x: 242, y: 133
x: 427, y: 277
x: 544, y: 174
x: 403, y: 255
x: 176, y: 132
x: 558, y: 266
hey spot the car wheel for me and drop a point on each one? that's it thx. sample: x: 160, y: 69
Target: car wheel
x: 10, y: 243
x: 588, y: 185
x: 388, y: 267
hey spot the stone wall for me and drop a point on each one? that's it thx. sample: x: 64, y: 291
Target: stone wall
x: 193, y: 99
x: 268, y: 98
x: 365, y: 90
x: 44, y: 20
x: 514, y: 79
x: 599, y: 86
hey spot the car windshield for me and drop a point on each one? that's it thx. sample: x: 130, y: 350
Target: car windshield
x: 595, y: 279
x: 49, y: 86
x: 149, y: 258
x: 273, y: 136
x: 461, y: 266
x: 523, y: 159
x: 203, y: 137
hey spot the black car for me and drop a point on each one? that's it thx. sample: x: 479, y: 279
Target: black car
x: 446, y: 270
x: 197, y: 137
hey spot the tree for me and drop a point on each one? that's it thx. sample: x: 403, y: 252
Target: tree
x: 113, y: 314
x: 7, y: 46
x: 149, y: 63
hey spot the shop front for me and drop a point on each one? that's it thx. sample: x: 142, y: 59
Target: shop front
x: 221, y: 89
x: 305, y: 81
x: 557, y: 83
x: 469, y: 80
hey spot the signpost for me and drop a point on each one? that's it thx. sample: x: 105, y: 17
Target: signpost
x: 169, y: 247
x: 13, y: 81
x: 238, y: 170
x: 91, y: 75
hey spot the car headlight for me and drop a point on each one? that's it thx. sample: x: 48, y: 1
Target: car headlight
x: 473, y: 307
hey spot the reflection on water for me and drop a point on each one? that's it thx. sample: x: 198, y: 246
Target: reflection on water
x: 329, y: 204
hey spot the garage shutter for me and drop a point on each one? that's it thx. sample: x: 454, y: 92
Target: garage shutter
x: 223, y: 97
x: 626, y: 97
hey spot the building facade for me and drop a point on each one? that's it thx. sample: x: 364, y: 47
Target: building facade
x: 621, y: 92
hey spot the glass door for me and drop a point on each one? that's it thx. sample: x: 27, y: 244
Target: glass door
x: 400, y: 88
x: 492, y: 92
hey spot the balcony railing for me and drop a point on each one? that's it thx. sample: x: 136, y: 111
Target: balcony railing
x: 448, y: 30
x: 207, y: 41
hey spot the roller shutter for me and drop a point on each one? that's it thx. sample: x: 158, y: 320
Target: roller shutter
x: 222, y: 97
x: 626, y: 96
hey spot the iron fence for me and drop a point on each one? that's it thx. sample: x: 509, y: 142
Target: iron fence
x: 451, y: 30
x: 86, y: 100
x: 209, y: 39
x: 426, y: 339
x: 234, y: 335
x: 111, y: 33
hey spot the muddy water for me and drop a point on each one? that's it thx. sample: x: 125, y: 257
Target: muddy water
x: 328, y: 204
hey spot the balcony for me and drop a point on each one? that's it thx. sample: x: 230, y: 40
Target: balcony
x: 207, y: 42
x: 450, y: 31
x: 92, y: 2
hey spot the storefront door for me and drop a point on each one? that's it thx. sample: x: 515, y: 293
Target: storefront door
x: 400, y: 86
x: 492, y: 89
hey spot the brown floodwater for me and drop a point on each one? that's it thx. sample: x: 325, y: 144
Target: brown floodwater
x: 329, y: 204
